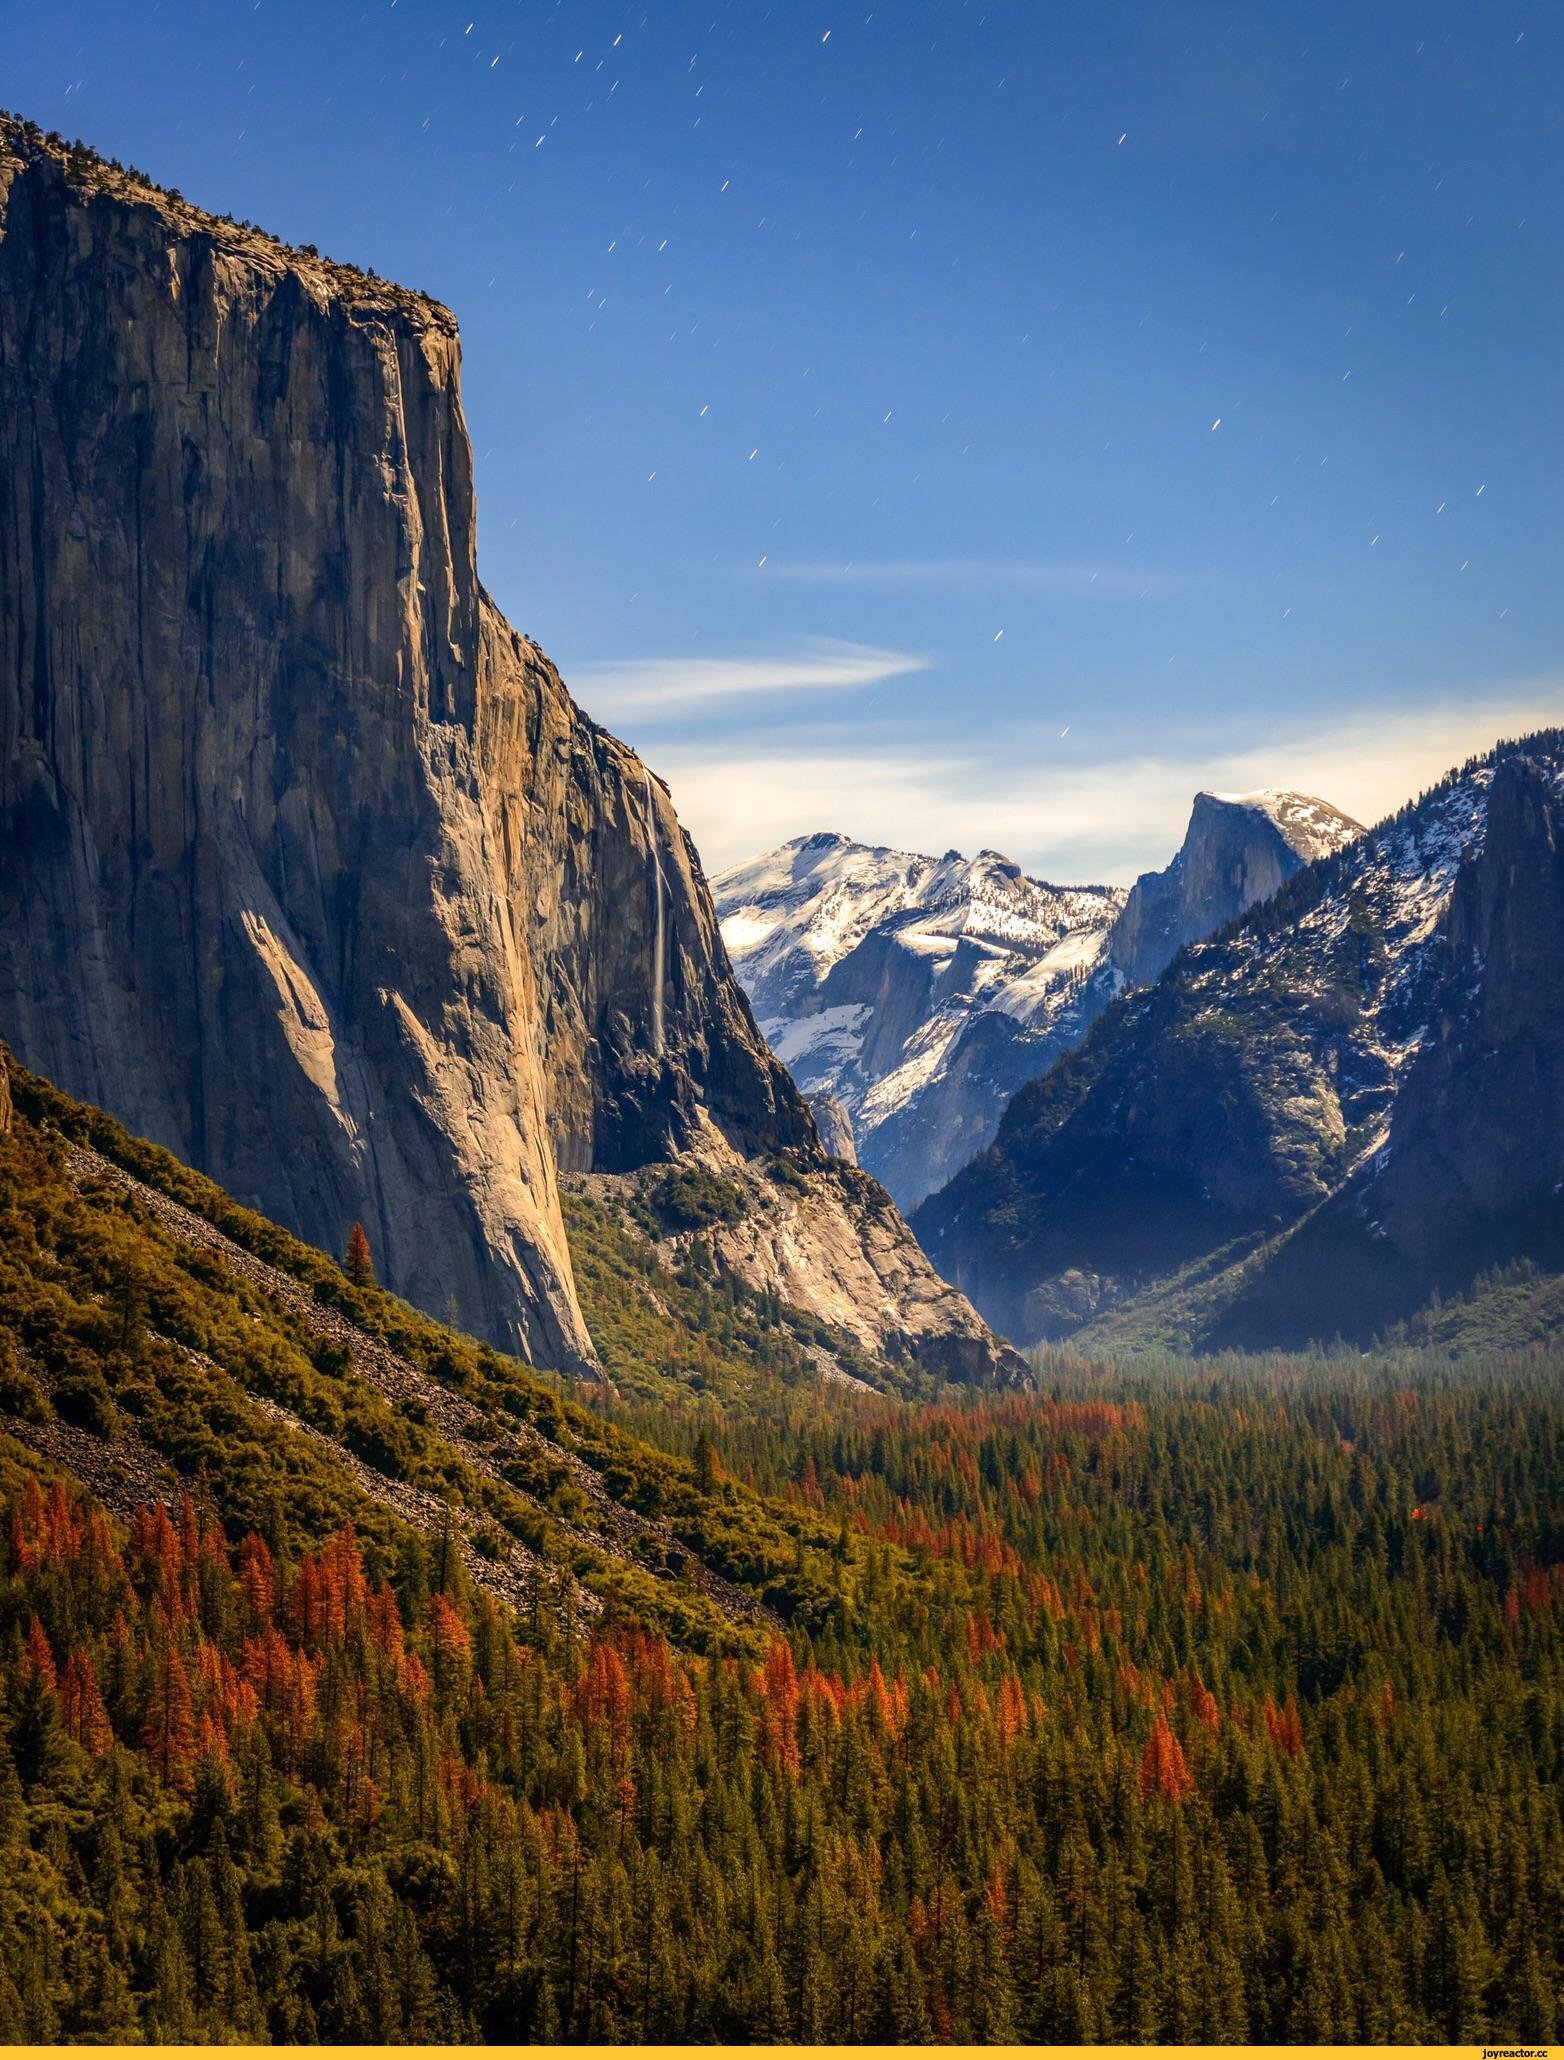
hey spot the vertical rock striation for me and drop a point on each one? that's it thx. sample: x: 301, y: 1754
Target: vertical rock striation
x: 310, y: 869
x: 1238, y: 849
x: 243, y: 654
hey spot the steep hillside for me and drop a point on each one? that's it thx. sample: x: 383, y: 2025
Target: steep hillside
x: 1349, y: 1098
x: 309, y: 866
x: 922, y: 993
x: 152, y: 1331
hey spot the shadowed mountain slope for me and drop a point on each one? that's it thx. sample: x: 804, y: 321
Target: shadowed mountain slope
x: 1346, y: 1100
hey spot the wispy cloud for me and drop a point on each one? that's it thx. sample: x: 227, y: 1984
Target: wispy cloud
x: 653, y: 686
x: 1065, y: 810
x: 1041, y: 575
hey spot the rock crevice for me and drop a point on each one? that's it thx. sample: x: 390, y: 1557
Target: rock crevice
x: 310, y: 868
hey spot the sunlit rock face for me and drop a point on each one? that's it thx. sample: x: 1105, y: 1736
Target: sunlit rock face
x: 310, y: 868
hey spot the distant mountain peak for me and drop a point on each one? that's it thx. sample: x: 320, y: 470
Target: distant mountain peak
x: 917, y: 992
x: 1316, y: 1116
x: 921, y: 992
x: 1237, y: 850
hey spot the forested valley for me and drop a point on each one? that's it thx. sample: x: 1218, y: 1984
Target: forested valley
x: 359, y: 1683
x: 1219, y: 1705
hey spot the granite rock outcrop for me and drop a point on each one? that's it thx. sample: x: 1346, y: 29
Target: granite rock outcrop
x: 310, y: 868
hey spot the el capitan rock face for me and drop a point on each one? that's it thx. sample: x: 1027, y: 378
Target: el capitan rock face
x: 309, y: 866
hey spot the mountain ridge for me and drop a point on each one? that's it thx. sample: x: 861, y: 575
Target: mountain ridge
x: 879, y: 976
x: 1170, y: 1177
x: 921, y: 993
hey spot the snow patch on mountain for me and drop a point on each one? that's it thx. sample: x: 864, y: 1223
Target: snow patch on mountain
x: 868, y: 966
x: 922, y: 992
x: 1312, y: 828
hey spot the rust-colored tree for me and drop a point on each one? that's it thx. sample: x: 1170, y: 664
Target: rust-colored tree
x: 85, y: 1717
x: 169, y: 1730
x: 1162, y: 1768
x: 358, y: 1262
x: 777, y: 1683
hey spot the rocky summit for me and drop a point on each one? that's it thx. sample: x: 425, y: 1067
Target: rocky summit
x: 917, y: 993
x: 920, y: 994
x: 1349, y: 1100
x: 310, y: 868
x: 1238, y: 849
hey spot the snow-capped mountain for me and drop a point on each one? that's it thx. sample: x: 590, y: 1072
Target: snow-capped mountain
x: 1238, y: 849
x: 917, y: 992
x: 1353, y: 1095
x: 921, y: 993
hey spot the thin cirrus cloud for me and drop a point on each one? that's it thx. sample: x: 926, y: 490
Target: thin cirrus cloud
x: 649, y: 687
x: 1092, y: 812
x: 1028, y: 575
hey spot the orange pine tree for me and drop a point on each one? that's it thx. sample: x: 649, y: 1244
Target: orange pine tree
x: 39, y: 1660
x: 86, y: 1719
x: 1162, y: 1768
x: 169, y: 1729
x: 778, y: 1685
x: 358, y: 1263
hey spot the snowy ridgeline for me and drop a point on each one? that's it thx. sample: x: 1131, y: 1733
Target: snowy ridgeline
x: 869, y: 969
x: 920, y: 993
x: 1311, y: 828
x: 1318, y: 1115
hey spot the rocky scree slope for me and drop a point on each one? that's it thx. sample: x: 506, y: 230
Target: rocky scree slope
x: 1349, y: 1098
x: 310, y: 868
x: 921, y: 993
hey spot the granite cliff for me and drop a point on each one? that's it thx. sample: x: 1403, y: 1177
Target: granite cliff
x: 1344, y: 1102
x: 922, y: 993
x: 310, y: 868
x: 1238, y: 850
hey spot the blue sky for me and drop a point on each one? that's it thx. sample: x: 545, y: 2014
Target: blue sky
x: 951, y: 424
